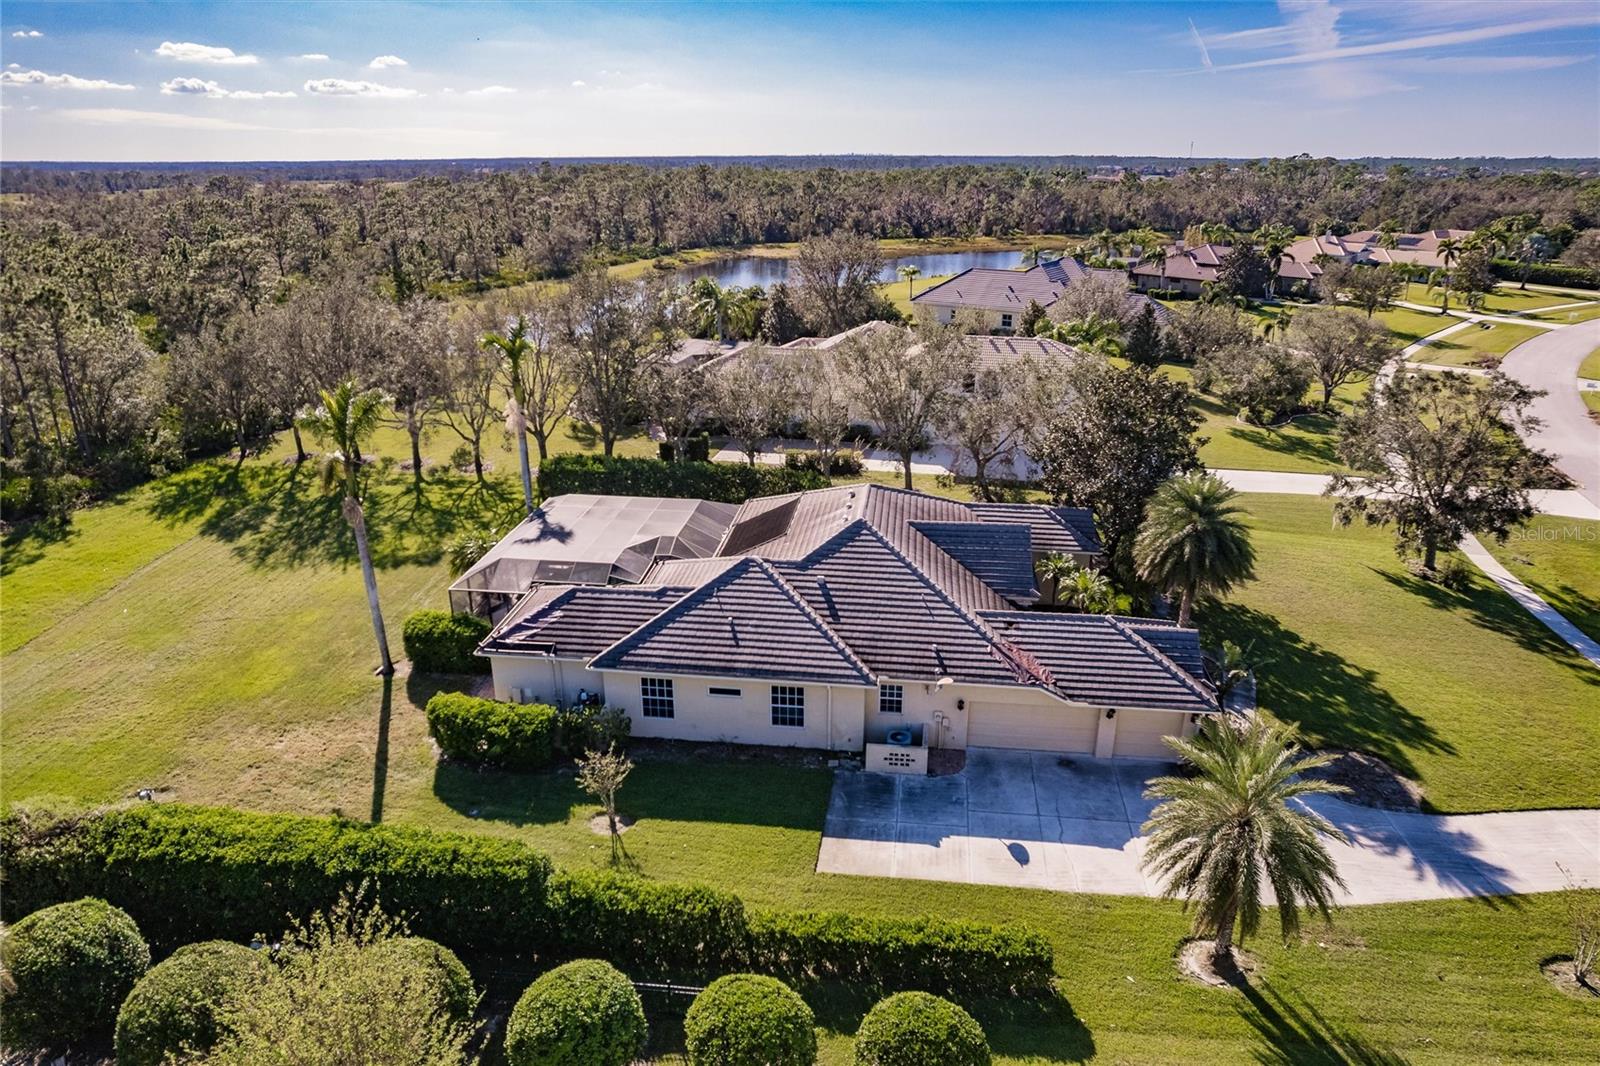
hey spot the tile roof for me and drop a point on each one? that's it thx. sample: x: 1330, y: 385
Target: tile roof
x: 746, y: 622
x: 998, y: 289
x: 1069, y: 530
x: 901, y: 622
x: 1000, y: 555
x: 1111, y: 662
x: 991, y: 352
x: 577, y: 621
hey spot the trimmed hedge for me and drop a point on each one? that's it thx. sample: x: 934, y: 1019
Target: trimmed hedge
x: 438, y: 642
x: 187, y: 873
x: 724, y: 482
x: 841, y: 464
x: 518, y: 736
x: 745, y: 1019
x: 584, y: 1013
x: 1547, y: 274
x: 72, y: 966
x: 914, y: 1028
x: 174, y: 1008
x: 450, y: 976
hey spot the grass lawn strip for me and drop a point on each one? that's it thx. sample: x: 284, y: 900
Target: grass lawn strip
x: 1590, y: 367
x: 1559, y: 558
x: 1468, y: 347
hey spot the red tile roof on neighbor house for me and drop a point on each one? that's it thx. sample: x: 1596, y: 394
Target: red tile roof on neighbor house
x: 1366, y: 246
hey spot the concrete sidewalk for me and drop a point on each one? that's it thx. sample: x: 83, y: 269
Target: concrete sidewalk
x: 1024, y: 820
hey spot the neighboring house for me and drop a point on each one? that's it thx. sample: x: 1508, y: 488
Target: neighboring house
x: 1189, y: 270
x: 1420, y: 250
x: 999, y: 297
x: 835, y: 618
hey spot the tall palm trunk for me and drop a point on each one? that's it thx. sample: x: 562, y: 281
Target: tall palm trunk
x: 1222, y: 948
x: 1185, y: 606
x: 527, y: 473
x: 358, y: 525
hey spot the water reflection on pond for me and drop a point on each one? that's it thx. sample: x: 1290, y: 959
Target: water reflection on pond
x: 746, y: 270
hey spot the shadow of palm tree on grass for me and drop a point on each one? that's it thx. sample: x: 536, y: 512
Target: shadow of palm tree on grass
x: 1334, y: 702
x: 277, y: 516
x: 1291, y: 1034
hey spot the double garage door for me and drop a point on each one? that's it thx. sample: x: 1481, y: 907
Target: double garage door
x: 1061, y: 728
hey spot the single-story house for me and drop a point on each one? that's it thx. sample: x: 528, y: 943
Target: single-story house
x: 1001, y: 296
x: 1420, y: 250
x: 1189, y: 269
x: 861, y: 618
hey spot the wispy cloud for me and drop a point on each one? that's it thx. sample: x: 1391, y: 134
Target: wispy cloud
x: 58, y: 81
x: 344, y: 87
x: 1497, y: 64
x: 211, y: 90
x: 189, y: 52
x: 24, y: 34
x: 1205, y: 56
x: 122, y: 116
x: 384, y: 62
x: 491, y: 90
x: 580, y: 84
x: 313, y: 57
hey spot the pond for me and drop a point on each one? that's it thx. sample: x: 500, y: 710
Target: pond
x: 747, y: 270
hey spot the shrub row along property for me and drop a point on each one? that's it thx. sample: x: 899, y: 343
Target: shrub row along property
x: 723, y: 482
x: 187, y: 873
x: 519, y: 736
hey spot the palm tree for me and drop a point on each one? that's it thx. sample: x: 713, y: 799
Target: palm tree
x: 1389, y: 234
x: 1274, y: 241
x: 720, y: 311
x: 910, y: 273
x: 514, y: 346
x: 1194, y: 540
x: 347, y: 416
x: 1228, y: 831
x: 1057, y: 568
x: 1089, y: 592
x: 1449, y: 252
x: 1106, y: 241
x: 1093, y: 332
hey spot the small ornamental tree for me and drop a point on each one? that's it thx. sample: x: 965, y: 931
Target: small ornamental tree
x: 1441, y: 458
x: 914, y: 1028
x: 174, y: 1009
x: 583, y: 1013
x: 749, y: 1020
x: 1341, y: 346
x: 70, y: 967
x: 601, y: 774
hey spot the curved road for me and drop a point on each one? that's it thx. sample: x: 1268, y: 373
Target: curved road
x: 1550, y: 362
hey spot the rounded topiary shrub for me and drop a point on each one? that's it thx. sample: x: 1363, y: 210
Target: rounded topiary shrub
x: 438, y: 642
x: 914, y: 1028
x: 456, y: 992
x: 175, y: 1007
x: 71, y: 966
x: 583, y: 1013
x: 745, y: 1019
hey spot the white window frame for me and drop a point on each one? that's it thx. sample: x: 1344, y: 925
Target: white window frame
x: 891, y: 699
x: 656, y: 698
x: 789, y: 702
x: 1005, y: 320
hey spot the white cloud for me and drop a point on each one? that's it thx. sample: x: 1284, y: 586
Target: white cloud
x: 382, y: 62
x: 57, y: 81
x: 312, y: 57
x: 491, y: 90
x: 343, y: 87
x: 211, y: 90
x: 579, y: 84
x: 1496, y: 64
x: 26, y: 33
x: 122, y: 116
x: 189, y: 52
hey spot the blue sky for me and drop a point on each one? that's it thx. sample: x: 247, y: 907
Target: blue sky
x: 148, y: 81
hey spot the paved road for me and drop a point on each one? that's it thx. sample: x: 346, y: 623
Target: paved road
x: 1022, y: 819
x: 1478, y: 316
x: 1550, y: 362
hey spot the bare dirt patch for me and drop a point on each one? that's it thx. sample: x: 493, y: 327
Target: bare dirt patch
x: 1371, y: 781
x: 1558, y: 971
x: 1195, y: 961
x: 600, y: 828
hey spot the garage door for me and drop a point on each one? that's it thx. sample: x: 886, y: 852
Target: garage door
x: 1042, y: 727
x: 1140, y: 733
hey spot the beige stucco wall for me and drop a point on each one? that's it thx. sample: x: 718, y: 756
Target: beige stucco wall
x: 833, y: 713
x: 543, y: 680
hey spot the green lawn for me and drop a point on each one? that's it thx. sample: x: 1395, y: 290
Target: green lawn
x: 222, y: 653
x: 1410, y: 326
x: 1475, y: 344
x: 1559, y: 558
x: 1570, y: 315
x: 1502, y: 301
x: 1464, y: 692
x: 1590, y: 367
x: 900, y: 295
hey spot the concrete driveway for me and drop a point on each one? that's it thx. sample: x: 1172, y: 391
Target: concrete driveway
x: 1025, y: 820
x: 1550, y: 362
